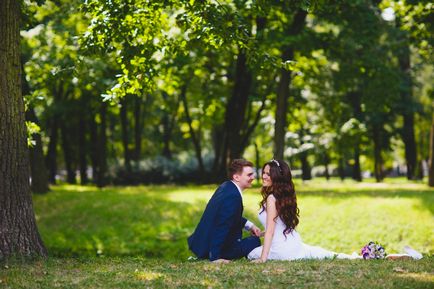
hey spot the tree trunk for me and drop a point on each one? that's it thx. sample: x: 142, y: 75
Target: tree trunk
x: 167, y: 136
x: 281, y: 108
x: 82, y: 148
x: 236, y: 109
x: 217, y: 136
x: 195, y: 138
x: 137, y: 128
x: 39, y: 173
x: 283, y: 92
x: 102, y: 148
x: 231, y: 138
x: 431, y: 156
x: 378, y: 160
x: 51, y: 158
x: 167, y: 132
x: 235, y: 116
x: 326, y: 166
x: 68, y: 153
x: 305, y: 167
x: 18, y: 232
x: 356, y: 104
x: 124, y: 125
x: 258, y: 162
x: 94, y: 147
x: 407, y: 103
x: 341, y: 169
x: 38, y: 169
x: 357, y: 173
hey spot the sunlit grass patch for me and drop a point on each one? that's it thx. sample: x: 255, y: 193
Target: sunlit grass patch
x: 148, y: 275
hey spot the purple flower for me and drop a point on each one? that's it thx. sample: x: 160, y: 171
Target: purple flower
x: 373, y: 251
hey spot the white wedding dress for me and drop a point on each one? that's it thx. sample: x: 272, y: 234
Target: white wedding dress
x: 292, y: 247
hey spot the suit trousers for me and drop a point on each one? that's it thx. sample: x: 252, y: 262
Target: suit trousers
x: 241, y: 248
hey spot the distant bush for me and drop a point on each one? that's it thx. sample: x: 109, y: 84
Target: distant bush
x: 160, y: 170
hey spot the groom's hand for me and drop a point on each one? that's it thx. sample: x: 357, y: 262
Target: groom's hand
x: 224, y: 261
x: 255, y: 231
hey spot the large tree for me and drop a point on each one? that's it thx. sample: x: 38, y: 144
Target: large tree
x: 18, y: 232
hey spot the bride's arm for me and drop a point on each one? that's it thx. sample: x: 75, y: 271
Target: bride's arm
x: 271, y: 224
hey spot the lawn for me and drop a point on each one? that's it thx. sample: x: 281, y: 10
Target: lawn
x: 127, y: 237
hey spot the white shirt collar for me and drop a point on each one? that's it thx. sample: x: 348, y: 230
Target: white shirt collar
x: 239, y: 190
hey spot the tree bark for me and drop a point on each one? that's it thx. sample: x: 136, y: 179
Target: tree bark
x: 283, y: 92
x: 18, y: 232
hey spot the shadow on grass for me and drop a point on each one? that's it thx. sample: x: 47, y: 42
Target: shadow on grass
x: 113, y: 222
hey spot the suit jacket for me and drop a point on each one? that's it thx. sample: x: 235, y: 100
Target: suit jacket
x: 221, y: 223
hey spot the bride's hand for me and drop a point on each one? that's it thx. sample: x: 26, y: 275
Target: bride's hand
x: 258, y: 261
x: 255, y: 231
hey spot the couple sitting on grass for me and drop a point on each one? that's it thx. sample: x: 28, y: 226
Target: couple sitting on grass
x: 218, y: 236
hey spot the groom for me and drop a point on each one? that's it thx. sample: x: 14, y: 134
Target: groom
x: 218, y: 235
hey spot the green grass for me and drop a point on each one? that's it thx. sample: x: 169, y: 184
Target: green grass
x: 129, y: 237
x: 138, y: 272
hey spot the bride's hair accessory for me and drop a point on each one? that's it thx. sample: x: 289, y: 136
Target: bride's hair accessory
x: 373, y: 251
x: 278, y: 165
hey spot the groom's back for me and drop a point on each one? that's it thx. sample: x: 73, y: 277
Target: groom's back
x: 199, y: 241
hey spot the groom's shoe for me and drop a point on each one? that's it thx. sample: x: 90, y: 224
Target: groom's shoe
x: 413, y: 253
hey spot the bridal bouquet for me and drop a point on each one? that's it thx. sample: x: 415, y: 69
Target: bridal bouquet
x: 373, y: 251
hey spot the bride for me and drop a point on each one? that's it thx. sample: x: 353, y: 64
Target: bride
x: 279, y: 215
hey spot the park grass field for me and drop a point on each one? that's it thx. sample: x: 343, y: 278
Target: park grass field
x: 130, y: 237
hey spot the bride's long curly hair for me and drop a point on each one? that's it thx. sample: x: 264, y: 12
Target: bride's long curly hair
x: 284, y: 191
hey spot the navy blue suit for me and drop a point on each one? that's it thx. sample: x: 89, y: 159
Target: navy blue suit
x: 219, y: 232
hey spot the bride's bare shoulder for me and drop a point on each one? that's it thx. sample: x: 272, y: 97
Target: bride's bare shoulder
x: 271, y: 198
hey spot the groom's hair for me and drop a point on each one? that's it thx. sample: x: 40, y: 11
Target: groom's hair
x: 236, y: 167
